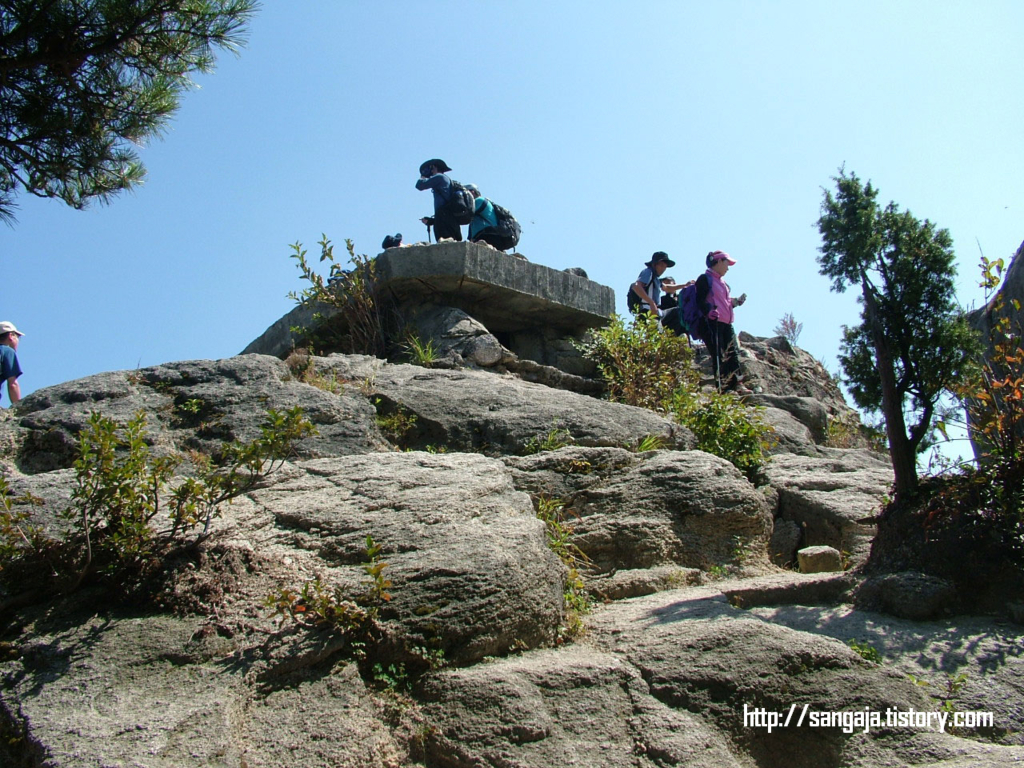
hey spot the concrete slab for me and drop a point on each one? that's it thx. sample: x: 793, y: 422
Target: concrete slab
x: 503, y: 292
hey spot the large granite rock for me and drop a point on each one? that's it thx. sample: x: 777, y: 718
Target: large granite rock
x: 196, y: 404
x: 480, y: 411
x: 687, y: 509
x: 833, y: 499
x: 573, y: 707
x: 201, y: 673
x: 473, y: 575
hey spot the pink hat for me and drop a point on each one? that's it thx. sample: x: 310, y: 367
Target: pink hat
x: 716, y: 256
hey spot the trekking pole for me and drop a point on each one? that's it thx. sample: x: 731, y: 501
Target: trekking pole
x: 428, y: 233
x: 718, y: 357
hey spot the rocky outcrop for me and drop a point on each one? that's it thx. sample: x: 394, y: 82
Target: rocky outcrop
x: 197, y: 405
x: 526, y: 310
x: 495, y: 414
x: 203, y: 673
x: 686, y: 509
x: 834, y: 500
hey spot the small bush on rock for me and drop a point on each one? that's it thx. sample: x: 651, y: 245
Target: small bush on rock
x: 640, y: 363
x: 351, y: 292
x: 725, y: 427
x: 122, y: 494
x: 559, y: 534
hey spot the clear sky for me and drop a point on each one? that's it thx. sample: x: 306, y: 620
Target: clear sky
x: 610, y: 129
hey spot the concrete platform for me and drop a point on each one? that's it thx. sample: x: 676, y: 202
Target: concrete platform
x: 503, y: 292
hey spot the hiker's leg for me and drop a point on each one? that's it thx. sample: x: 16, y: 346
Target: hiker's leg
x: 492, y: 238
x: 730, y: 356
x: 445, y: 226
x: 711, y: 331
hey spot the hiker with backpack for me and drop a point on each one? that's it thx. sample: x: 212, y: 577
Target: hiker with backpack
x: 645, y: 294
x: 717, y: 315
x: 453, y: 204
x: 491, y: 223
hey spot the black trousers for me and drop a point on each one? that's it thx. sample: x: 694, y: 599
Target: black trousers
x: 721, y: 340
x: 445, y: 226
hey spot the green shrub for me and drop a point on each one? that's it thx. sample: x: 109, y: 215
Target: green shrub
x: 126, y: 513
x: 725, y: 427
x: 865, y: 650
x: 640, y: 363
x: 396, y: 424
x: 559, y: 534
x: 363, y: 326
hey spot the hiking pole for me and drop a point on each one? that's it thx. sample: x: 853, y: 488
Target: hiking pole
x: 428, y: 233
x: 718, y: 357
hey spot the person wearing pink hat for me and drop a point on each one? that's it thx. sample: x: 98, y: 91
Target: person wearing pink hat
x: 717, y: 306
x: 9, y: 368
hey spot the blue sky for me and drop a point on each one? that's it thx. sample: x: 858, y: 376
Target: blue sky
x: 611, y: 130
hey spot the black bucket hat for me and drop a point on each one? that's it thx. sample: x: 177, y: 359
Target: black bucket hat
x: 442, y: 166
x: 660, y: 256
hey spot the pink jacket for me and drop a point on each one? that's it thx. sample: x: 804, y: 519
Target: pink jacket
x: 719, y: 297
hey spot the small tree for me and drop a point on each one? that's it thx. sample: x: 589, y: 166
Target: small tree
x: 788, y: 328
x: 913, y: 345
x: 641, y: 363
x: 81, y: 81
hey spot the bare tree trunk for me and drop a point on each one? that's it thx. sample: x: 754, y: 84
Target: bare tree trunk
x: 904, y: 464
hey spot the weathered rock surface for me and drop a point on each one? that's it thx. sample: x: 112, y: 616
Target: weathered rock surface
x: 480, y: 411
x: 688, y: 509
x: 830, y: 498
x: 458, y: 339
x: 572, y: 707
x: 203, y: 675
x: 473, y: 575
x: 987, y: 653
x: 908, y: 595
x: 195, y: 404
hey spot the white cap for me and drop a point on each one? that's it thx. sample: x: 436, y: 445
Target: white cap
x: 8, y: 327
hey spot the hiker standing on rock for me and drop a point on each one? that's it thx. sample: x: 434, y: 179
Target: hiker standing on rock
x: 717, y: 306
x: 9, y: 368
x: 432, y: 177
x: 645, y: 293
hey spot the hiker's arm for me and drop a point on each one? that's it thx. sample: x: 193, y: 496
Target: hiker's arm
x: 673, y: 287
x: 14, y: 389
x: 430, y: 182
x: 639, y: 290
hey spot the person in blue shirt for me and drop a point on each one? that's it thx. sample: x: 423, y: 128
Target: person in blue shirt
x: 9, y: 368
x: 650, y: 285
x: 432, y: 177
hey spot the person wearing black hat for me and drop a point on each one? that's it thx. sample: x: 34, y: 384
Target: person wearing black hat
x: 432, y: 177
x: 650, y: 285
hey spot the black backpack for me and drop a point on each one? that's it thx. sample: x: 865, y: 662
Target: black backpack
x: 460, y: 203
x: 506, y: 233
x: 632, y: 300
